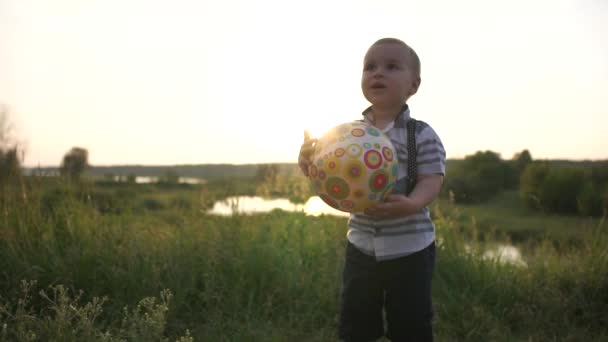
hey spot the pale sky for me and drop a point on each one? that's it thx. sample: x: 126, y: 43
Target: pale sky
x: 189, y: 82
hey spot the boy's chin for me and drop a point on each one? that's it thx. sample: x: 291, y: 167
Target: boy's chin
x: 383, y: 103
x: 382, y: 99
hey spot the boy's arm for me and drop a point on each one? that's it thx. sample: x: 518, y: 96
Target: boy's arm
x: 426, y: 190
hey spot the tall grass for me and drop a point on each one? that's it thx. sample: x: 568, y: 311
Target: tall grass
x: 70, y: 271
x: 561, y: 294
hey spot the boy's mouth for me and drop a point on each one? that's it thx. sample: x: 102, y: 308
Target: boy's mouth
x: 377, y: 85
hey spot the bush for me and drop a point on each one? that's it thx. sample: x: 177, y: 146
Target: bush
x: 74, y: 162
x: 560, y: 189
x: 531, y: 182
x: 10, y: 167
x: 566, y: 189
x: 589, y: 201
x: 480, y: 177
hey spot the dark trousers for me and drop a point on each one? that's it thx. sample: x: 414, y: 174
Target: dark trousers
x: 401, y: 287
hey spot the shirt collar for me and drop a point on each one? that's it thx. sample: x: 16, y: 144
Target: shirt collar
x: 400, y: 120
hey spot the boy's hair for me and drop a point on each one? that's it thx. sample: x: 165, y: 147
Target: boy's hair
x: 413, y: 59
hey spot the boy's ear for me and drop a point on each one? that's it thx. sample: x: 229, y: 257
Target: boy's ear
x: 415, y: 86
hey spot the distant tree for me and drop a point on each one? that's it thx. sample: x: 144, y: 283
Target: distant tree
x: 590, y: 201
x: 131, y: 178
x: 486, y: 175
x: 599, y: 173
x: 74, y: 163
x: 531, y: 183
x: 566, y: 189
x: 170, y: 176
x: 559, y: 192
x: 521, y: 160
x: 267, y: 173
x: 514, y: 169
x: 10, y: 165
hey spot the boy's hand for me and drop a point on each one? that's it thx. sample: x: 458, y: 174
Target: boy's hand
x: 426, y: 190
x: 306, y: 151
x: 394, y: 206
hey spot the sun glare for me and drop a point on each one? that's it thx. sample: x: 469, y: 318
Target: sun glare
x: 320, y: 127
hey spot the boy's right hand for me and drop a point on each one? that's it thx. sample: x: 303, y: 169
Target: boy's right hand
x: 306, y: 151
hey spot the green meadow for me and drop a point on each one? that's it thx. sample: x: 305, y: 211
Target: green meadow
x: 102, y: 261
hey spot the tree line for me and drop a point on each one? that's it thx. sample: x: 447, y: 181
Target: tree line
x: 547, y: 186
x: 579, y: 188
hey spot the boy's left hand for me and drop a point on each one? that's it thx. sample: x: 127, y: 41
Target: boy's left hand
x: 394, y: 206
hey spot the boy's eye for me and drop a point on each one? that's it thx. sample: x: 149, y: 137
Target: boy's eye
x: 369, y: 67
x: 392, y: 66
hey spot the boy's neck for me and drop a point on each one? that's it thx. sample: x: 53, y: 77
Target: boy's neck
x: 385, y: 115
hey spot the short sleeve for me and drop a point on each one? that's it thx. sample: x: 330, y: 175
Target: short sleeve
x: 430, y: 156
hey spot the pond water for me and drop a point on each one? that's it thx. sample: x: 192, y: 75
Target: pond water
x: 149, y: 179
x: 503, y: 253
x: 254, y: 204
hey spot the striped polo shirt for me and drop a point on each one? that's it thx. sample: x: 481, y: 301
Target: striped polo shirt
x: 392, y: 238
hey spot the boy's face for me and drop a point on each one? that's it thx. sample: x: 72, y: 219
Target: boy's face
x: 388, y: 80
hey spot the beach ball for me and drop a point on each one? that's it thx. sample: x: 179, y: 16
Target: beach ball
x: 354, y: 167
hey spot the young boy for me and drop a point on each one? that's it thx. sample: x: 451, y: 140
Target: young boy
x: 390, y: 253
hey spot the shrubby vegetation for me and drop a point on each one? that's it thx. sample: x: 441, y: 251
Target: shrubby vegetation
x: 546, y: 186
x: 73, y: 270
x: 566, y: 189
x: 272, y: 182
x: 10, y: 164
x: 483, y: 175
x: 74, y: 163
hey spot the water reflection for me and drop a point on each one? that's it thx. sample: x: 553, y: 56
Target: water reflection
x: 150, y: 179
x: 505, y: 254
x: 254, y: 204
x: 502, y: 253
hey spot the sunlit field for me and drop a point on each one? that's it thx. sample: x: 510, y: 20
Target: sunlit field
x: 94, y: 261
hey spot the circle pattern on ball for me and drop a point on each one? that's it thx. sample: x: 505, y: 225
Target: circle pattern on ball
x: 337, y: 188
x: 378, y: 180
x: 339, y: 152
x: 372, y: 159
x: 354, y: 150
x: 372, y: 131
x: 357, y: 132
x: 333, y: 165
x: 387, y: 153
x: 354, y: 170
